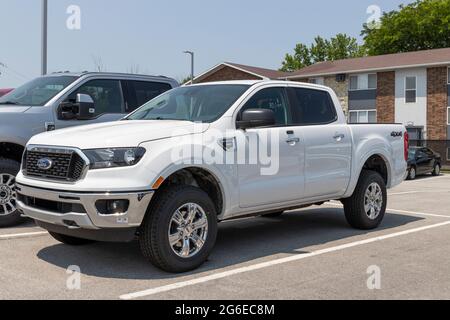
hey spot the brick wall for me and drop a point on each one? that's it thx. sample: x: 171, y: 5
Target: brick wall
x: 341, y: 90
x: 386, y: 97
x: 227, y: 73
x: 437, y: 102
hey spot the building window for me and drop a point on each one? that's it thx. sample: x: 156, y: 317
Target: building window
x: 410, y: 89
x: 448, y: 75
x: 448, y: 154
x: 354, y: 83
x: 363, y: 82
x: 372, y: 81
x: 362, y: 116
x: 320, y: 81
x: 448, y: 116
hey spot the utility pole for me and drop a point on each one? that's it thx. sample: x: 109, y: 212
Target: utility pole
x: 191, y: 53
x: 44, y: 37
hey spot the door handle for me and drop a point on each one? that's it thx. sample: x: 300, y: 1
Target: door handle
x: 293, y: 140
x: 339, y: 136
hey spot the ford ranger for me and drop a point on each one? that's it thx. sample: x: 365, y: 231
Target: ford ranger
x: 197, y: 155
x: 58, y: 101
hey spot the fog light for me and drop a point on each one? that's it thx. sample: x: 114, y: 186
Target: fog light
x: 110, y: 207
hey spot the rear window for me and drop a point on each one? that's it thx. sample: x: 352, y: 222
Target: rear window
x: 312, y: 107
x: 141, y: 92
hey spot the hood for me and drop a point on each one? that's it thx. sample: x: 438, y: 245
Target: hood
x: 117, y: 134
x: 6, y: 108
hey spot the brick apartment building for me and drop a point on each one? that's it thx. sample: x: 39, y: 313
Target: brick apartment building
x: 410, y: 88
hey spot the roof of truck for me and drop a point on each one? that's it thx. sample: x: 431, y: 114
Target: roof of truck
x: 106, y: 74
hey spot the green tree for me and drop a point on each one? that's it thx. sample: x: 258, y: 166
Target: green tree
x: 300, y: 59
x: 339, y: 47
x: 422, y: 25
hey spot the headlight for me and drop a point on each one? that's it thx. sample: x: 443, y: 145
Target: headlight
x: 114, y: 157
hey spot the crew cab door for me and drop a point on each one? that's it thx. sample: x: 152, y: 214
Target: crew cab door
x: 327, y: 144
x: 108, y: 102
x: 278, y: 177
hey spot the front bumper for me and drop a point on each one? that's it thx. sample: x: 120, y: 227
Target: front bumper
x: 84, y: 214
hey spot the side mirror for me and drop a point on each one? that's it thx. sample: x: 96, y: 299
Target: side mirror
x: 85, y: 105
x: 82, y: 109
x: 256, y: 118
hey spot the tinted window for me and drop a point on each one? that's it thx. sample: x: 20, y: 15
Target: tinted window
x: 38, y: 92
x: 273, y: 99
x: 107, y: 95
x: 311, y: 106
x: 141, y: 92
x: 204, y: 103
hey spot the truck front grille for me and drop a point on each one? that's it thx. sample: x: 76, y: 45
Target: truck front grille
x: 66, y: 164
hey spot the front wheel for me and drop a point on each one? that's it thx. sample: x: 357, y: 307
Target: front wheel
x: 9, y: 215
x: 366, y: 208
x: 179, y: 230
x: 436, y: 170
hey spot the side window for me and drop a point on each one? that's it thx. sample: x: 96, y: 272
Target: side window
x: 107, y: 95
x: 141, y: 92
x: 274, y: 99
x: 312, y: 107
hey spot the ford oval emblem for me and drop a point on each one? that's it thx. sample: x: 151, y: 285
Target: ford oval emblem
x: 44, y: 164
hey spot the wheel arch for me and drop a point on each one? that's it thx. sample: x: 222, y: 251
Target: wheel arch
x: 12, y: 151
x: 197, y: 176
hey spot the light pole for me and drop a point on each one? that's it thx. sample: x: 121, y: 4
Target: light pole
x: 192, y: 64
x: 44, y: 37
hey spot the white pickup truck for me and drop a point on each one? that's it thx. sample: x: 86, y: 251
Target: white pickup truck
x: 197, y: 155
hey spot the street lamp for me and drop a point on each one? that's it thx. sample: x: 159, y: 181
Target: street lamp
x: 44, y: 37
x: 192, y: 64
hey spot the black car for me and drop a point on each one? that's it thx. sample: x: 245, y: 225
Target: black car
x: 423, y: 160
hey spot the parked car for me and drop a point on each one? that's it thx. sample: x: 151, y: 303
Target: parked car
x: 116, y: 181
x: 5, y: 91
x: 53, y: 102
x: 422, y: 161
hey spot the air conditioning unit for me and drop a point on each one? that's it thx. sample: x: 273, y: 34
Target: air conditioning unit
x: 341, y: 77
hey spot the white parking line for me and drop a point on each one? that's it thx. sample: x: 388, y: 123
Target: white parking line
x: 259, y: 266
x: 22, y: 235
x: 338, y: 204
x: 414, y: 192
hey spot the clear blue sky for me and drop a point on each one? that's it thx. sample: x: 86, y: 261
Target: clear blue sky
x: 153, y: 34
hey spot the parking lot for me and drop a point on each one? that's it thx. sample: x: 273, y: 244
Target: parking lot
x: 306, y: 254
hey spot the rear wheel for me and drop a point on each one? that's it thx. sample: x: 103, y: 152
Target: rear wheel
x: 436, y: 170
x: 412, y: 174
x: 366, y: 208
x: 9, y: 216
x: 71, y: 241
x: 179, y: 230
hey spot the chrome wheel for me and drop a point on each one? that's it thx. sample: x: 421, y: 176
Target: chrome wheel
x: 373, y: 201
x: 188, y: 229
x: 7, y: 194
x: 412, y: 173
x: 437, y: 170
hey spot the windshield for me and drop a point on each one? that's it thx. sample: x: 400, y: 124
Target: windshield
x: 205, y: 103
x: 38, y: 91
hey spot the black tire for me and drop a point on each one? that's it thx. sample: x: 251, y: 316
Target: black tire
x: 273, y: 214
x: 436, y: 170
x: 355, y: 212
x: 412, y: 173
x: 10, y: 167
x: 71, y: 241
x: 153, y: 235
